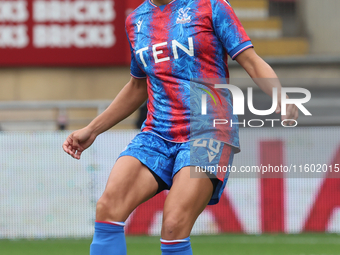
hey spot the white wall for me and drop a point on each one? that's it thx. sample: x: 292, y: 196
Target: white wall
x: 321, y: 22
x: 45, y: 193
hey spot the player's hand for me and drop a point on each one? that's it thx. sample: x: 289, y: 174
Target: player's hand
x: 78, y: 141
x: 291, y: 112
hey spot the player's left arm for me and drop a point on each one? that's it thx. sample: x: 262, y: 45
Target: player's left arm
x: 265, y: 77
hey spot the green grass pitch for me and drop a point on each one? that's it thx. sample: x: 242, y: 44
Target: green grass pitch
x: 302, y: 244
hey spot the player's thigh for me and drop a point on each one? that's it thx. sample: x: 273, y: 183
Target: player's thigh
x: 130, y: 183
x: 186, y: 200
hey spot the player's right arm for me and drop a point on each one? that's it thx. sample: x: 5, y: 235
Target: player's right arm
x: 129, y: 99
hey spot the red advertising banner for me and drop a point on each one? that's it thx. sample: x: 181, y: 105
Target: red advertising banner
x: 62, y: 33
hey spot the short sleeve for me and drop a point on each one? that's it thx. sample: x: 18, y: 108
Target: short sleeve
x: 229, y: 29
x: 135, y: 70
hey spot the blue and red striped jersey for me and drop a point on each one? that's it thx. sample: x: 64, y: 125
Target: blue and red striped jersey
x: 172, y: 44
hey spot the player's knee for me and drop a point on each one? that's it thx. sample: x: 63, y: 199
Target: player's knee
x: 102, y: 207
x: 108, y: 210
x: 174, y: 227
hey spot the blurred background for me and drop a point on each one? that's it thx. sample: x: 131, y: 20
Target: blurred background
x: 63, y: 62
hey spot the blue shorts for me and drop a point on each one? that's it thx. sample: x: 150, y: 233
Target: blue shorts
x: 165, y: 158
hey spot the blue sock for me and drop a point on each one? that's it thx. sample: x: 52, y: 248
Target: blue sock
x: 178, y: 247
x: 108, y: 239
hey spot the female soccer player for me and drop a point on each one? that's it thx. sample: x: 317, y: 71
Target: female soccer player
x: 171, y: 43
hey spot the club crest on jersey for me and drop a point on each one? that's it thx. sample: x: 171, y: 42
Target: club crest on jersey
x: 183, y: 16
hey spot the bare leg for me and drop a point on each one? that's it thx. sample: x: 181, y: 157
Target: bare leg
x: 186, y: 200
x: 130, y: 184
